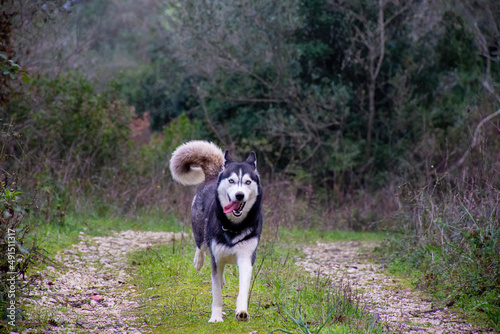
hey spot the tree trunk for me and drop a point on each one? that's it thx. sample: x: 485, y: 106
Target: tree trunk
x: 371, y: 116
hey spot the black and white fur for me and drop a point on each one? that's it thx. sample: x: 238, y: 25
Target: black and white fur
x: 226, y: 216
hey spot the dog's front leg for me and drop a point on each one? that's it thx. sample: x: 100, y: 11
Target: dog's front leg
x: 245, y: 275
x: 217, y: 271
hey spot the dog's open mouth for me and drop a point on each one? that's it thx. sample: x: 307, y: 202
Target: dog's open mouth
x: 235, y: 208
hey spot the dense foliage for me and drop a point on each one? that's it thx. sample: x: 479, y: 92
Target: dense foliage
x: 319, y: 93
x: 67, y: 122
x: 343, y: 95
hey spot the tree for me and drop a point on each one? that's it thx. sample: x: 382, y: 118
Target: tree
x: 251, y: 86
x: 372, y: 27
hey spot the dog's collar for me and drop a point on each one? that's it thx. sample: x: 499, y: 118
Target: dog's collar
x: 227, y: 230
x: 237, y: 237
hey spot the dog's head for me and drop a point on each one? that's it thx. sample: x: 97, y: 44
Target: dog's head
x: 238, y: 187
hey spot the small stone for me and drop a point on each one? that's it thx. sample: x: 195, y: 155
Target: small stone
x: 86, y: 307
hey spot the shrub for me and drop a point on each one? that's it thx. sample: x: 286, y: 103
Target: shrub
x: 15, y: 256
x: 69, y: 127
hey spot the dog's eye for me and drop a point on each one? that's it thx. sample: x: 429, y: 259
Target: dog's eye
x: 231, y: 181
x: 248, y: 182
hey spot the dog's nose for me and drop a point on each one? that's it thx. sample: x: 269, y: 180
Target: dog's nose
x: 239, y: 196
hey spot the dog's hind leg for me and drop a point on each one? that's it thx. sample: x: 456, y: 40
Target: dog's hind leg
x: 216, y: 292
x: 199, y: 259
x: 245, y: 275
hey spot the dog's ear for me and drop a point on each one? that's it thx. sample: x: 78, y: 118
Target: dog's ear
x: 227, y: 158
x: 252, y: 160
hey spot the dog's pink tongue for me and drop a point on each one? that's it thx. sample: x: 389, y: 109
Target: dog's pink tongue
x: 231, y: 206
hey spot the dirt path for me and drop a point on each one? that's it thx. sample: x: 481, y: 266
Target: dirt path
x: 89, y: 291
x: 400, y: 310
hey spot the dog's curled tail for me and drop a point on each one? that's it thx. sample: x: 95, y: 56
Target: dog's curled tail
x: 196, y: 160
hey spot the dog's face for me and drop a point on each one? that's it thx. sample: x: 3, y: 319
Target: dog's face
x: 238, y: 187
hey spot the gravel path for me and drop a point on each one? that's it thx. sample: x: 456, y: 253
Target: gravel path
x: 400, y: 309
x: 89, y: 291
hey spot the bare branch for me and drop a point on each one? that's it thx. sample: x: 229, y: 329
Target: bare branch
x: 381, y: 27
x: 475, y: 138
x: 490, y: 90
x: 209, y: 121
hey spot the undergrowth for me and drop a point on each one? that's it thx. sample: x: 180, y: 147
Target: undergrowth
x: 450, y: 244
x: 18, y: 249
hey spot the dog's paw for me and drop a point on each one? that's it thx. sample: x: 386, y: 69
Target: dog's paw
x: 215, y: 319
x: 199, y: 259
x: 198, y: 264
x: 242, y: 315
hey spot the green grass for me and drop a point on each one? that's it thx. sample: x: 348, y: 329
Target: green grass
x: 310, y: 236
x: 54, y: 237
x: 178, y: 299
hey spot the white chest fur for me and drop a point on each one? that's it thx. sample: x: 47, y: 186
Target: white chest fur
x: 224, y: 254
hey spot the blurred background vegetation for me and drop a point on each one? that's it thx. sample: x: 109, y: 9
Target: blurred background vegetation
x: 364, y: 115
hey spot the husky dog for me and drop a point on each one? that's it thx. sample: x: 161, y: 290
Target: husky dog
x: 225, y: 213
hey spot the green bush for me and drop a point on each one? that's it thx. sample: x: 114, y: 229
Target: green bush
x: 150, y: 160
x: 70, y: 127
